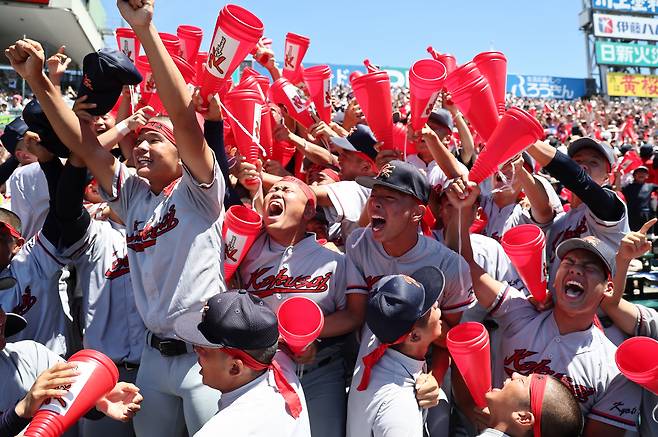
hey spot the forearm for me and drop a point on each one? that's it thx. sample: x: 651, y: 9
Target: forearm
x: 542, y: 212
x: 466, y: 138
x: 7, y: 168
x: 52, y: 171
x: 316, y: 154
x: 11, y: 423
x: 542, y: 152
x: 444, y: 159
x: 623, y: 313
x: 213, y: 132
x: 71, y: 215
x: 112, y: 137
x: 347, y: 320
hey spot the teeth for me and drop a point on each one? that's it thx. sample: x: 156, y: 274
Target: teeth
x: 574, y: 288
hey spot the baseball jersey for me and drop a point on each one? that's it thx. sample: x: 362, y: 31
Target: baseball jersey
x: 348, y: 199
x: 20, y: 365
x: 647, y: 325
x: 584, y: 360
x: 275, y: 273
x: 258, y: 408
x: 367, y: 262
x: 28, y: 189
x: 112, y: 324
x: 580, y: 222
x: 36, y: 295
x: 388, y: 407
x: 490, y: 432
x: 174, y: 243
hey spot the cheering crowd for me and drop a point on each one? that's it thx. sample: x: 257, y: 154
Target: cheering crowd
x: 113, y: 237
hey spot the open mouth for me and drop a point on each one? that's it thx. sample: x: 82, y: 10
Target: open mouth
x: 377, y: 223
x: 144, y: 161
x: 275, y: 208
x: 573, y: 289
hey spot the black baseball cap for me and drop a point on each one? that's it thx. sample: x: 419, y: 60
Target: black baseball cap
x: 13, y: 134
x: 443, y: 117
x: 399, y: 301
x: 400, y: 176
x: 14, y: 324
x: 593, y: 245
x: 588, y: 143
x: 234, y: 318
x: 38, y: 123
x: 104, y: 73
x: 361, y: 139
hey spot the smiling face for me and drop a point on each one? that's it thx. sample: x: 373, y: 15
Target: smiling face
x: 156, y: 159
x: 504, y: 402
x: 594, y: 164
x: 580, y: 282
x: 393, y: 214
x: 286, y: 212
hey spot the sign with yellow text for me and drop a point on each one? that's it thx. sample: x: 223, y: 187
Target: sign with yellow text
x: 634, y: 85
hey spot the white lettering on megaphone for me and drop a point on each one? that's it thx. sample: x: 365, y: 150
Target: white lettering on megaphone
x: 430, y: 104
x: 256, y: 126
x: 222, y: 51
x: 61, y: 405
x: 127, y: 46
x: 290, y: 58
x: 296, y: 98
x: 233, y: 247
x: 326, y: 92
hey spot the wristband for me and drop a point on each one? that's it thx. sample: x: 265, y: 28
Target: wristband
x: 122, y: 128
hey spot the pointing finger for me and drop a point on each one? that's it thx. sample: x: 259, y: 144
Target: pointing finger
x: 645, y: 228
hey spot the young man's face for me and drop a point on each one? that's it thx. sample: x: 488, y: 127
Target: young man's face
x: 512, y: 397
x: 580, y: 282
x: 594, y: 164
x: 156, y: 159
x: 391, y: 213
x: 351, y: 165
x: 285, y: 205
x: 432, y: 330
x: 640, y: 176
x: 217, y: 369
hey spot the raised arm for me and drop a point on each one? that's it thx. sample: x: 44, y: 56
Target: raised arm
x: 440, y: 153
x: 467, y: 152
x: 542, y: 212
x: 26, y: 57
x: 192, y: 147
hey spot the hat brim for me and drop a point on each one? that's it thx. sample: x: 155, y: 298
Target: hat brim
x: 104, y: 100
x: 343, y: 143
x: 588, y: 143
x: 186, y: 327
x: 371, y: 182
x: 575, y: 244
x: 14, y: 324
x: 433, y: 281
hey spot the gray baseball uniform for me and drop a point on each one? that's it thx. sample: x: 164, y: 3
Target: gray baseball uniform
x: 647, y: 325
x: 28, y: 189
x: 348, y: 200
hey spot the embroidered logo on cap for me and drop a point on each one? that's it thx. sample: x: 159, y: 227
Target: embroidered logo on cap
x: 386, y: 171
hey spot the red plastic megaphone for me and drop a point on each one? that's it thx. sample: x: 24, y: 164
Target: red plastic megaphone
x: 245, y: 106
x: 318, y: 81
x: 283, y: 152
x: 493, y: 66
x: 186, y: 70
x: 190, y: 37
x: 171, y: 43
x: 370, y: 68
x: 637, y: 360
x: 300, y: 323
x: 199, y: 65
x: 266, y: 137
x: 354, y: 75
x: 468, y: 344
x: 98, y: 375
x: 433, y: 53
x: 295, y: 50
x: 128, y: 43
x: 525, y: 245
x: 373, y: 92
x: 241, y: 227
x: 282, y: 92
x: 400, y: 139
x: 516, y: 131
x: 449, y: 61
x: 425, y: 82
x: 237, y: 31
x: 147, y: 89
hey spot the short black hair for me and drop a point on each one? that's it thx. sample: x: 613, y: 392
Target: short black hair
x: 265, y: 355
x: 561, y: 415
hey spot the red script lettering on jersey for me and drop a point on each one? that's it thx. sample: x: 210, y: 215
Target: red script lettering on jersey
x: 141, y: 239
x: 284, y: 283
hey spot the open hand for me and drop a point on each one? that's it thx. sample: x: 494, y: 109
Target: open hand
x: 122, y: 403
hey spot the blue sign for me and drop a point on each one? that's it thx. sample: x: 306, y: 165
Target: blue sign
x: 633, y: 6
x: 546, y: 87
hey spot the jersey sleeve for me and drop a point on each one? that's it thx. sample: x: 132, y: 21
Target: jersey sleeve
x: 458, y: 293
x: 512, y: 310
x: 207, y: 198
x: 354, y: 276
x: 619, y: 404
x: 338, y: 284
x: 347, y: 200
x: 398, y: 417
x: 647, y: 324
x: 125, y: 188
x: 38, y: 257
x: 611, y: 231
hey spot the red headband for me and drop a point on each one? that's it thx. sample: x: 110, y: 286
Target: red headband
x: 160, y: 128
x: 286, y: 390
x: 308, y: 192
x: 9, y: 229
x: 537, y: 389
x: 372, y: 358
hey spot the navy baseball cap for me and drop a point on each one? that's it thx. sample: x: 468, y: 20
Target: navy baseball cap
x: 361, y: 139
x: 593, y: 245
x: 13, y: 134
x: 38, y: 123
x: 234, y: 318
x: 443, y: 117
x: 14, y: 324
x: 400, y: 176
x: 399, y: 301
x: 588, y: 143
x: 104, y: 73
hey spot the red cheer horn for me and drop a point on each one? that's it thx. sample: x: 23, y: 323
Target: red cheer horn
x: 425, y: 82
x: 468, y: 344
x: 300, y: 323
x: 147, y: 89
x: 493, y: 65
x: 373, y: 92
x: 295, y: 50
x: 172, y: 43
x: 516, y: 131
x: 525, y: 245
x: 449, y: 61
x: 98, y: 375
x: 433, y: 53
x: 318, y: 81
x: 266, y: 136
x: 186, y: 70
x: 282, y: 92
x: 199, y: 65
x: 237, y: 31
x: 241, y: 227
x: 245, y: 107
x: 400, y: 139
x: 128, y: 43
x: 637, y: 360
x: 370, y: 68
x: 283, y: 152
x: 354, y: 75
x: 190, y: 37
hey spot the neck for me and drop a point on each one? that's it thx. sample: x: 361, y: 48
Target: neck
x: 567, y: 323
x: 288, y: 237
x: 509, y: 429
x: 417, y: 351
x: 575, y: 201
x: 401, y: 245
x: 242, y: 381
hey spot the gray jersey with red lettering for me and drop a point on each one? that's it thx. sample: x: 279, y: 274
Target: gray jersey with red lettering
x: 583, y: 360
x: 275, y: 273
x: 174, y: 243
x: 367, y: 262
x: 348, y: 199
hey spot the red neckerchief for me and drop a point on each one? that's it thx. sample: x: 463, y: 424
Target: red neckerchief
x: 372, y: 358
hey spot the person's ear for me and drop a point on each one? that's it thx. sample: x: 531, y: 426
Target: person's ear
x: 309, y: 211
x: 414, y: 336
x: 236, y: 367
x: 18, y: 243
x: 523, y: 418
x: 609, y: 289
x: 418, y: 213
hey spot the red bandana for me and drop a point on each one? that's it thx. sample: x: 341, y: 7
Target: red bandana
x: 160, y: 128
x: 286, y: 390
x: 308, y: 192
x: 537, y: 389
x: 6, y: 228
x: 372, y: 358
